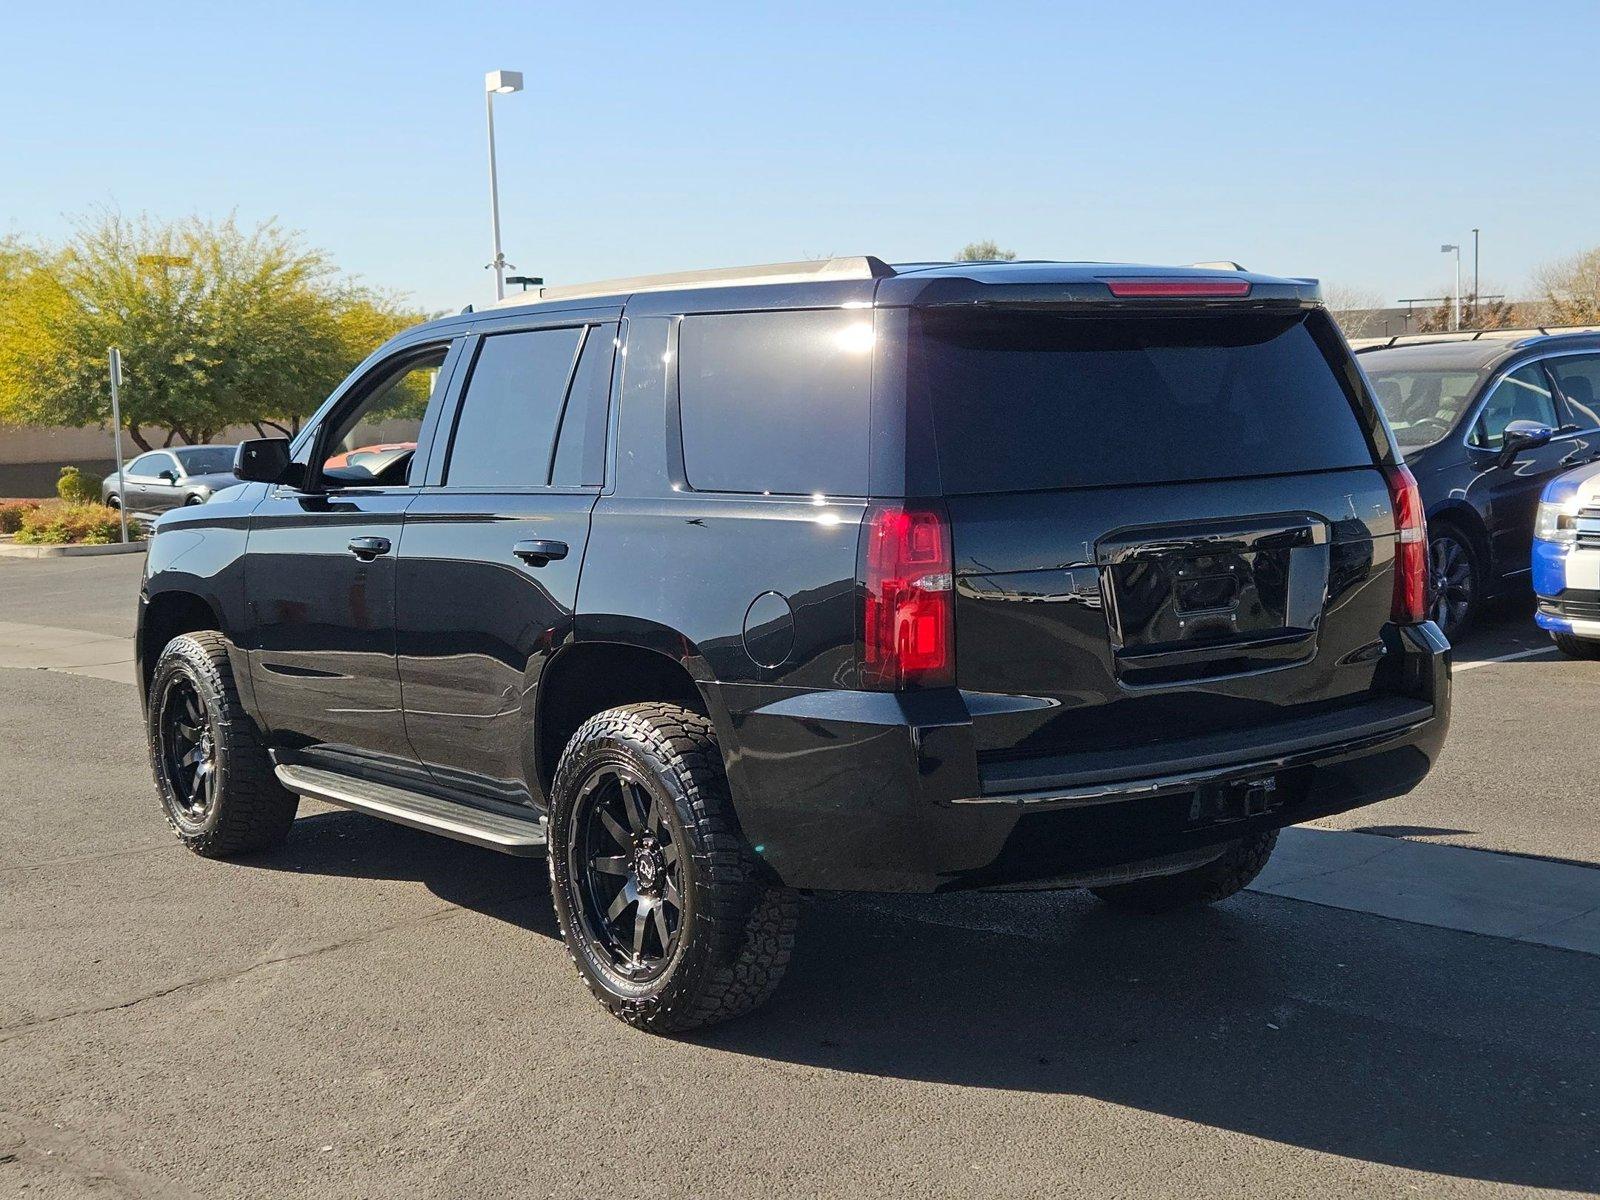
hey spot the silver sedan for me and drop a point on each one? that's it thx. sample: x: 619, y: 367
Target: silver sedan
x: 163, y: 479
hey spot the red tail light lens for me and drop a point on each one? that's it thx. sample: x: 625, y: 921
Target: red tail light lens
x: 1136, y: 288
x: 1411, y: 549
x: 908, y: 599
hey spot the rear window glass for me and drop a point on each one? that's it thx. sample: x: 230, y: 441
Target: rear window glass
x: 1028, y: 401
x: 207, y: 460
x: 776, y: 402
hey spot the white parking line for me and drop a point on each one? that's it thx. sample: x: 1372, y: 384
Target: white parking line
x: 1485, y: 662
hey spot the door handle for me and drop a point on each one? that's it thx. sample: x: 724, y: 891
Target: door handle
x: 368, y: 548
x: 538, y: 551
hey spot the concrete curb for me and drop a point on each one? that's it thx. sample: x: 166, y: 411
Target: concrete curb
x: 12, y: 550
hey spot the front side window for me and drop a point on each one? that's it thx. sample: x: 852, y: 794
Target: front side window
x: 1578, y: 377
x: 1523, y: 395
x: 374, y: 443
x: 776, y: 402
x: 507, y: 422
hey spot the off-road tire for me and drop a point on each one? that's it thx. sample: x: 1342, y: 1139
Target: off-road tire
x: 737, y: 930
x: 1220, y: 878
x: 1576, y: 647
x: 251, y: 809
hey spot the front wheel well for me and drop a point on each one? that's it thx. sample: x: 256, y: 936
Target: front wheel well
x: 166, y: 616
x: 591, y: 677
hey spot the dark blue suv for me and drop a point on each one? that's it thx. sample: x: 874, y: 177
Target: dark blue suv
x: 1485, y: 421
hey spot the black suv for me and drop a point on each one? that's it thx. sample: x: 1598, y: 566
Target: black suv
x: 1485, y: 421
x: 833, y: 576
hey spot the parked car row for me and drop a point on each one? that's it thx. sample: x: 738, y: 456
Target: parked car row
x: 1485, y: 423
x: 188, y: 475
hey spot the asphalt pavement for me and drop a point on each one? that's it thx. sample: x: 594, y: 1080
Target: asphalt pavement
x: 369, y: 1011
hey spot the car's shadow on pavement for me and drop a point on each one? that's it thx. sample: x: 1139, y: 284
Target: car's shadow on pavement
x: 1339, y: 1032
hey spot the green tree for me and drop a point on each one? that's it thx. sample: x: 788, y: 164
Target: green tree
x: 987, y: 250
x: 218, y: 325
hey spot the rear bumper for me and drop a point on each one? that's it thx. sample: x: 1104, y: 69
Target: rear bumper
x: 864, y: 791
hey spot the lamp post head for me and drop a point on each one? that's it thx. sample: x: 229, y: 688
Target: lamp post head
x: 503, y: 82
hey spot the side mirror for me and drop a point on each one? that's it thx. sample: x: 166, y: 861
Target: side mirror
x: 265, y: 460
x: 1523, y: 435
x: 169, y: 475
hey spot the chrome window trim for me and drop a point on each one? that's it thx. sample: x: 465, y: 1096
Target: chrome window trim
x: 1482, y: 401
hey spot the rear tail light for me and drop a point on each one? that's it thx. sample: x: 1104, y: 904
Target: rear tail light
x: 1181, y: 288
x: 908, y: 599
x: 1411, y: 549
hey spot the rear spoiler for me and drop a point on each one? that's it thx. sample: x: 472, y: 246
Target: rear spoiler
x: 1123, y: 293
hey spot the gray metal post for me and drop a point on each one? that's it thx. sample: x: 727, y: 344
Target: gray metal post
x: 116, y: 436
x: 499, y: 263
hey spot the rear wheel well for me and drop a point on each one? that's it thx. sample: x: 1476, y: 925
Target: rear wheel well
x: 165, y: 617
x: 1467, y: 523
x: 591, y: 677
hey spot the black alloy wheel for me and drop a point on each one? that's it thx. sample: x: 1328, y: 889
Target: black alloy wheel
x: 1452, y: 582
x: 217, y: 786
x: 630, y: 872
x: 188, y: 749
x: 667, y: 913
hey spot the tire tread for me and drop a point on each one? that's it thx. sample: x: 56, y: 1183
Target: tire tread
x: 752, y: 923
x: 255, y: 811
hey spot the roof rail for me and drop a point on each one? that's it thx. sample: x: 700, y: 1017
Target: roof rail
x: 818, y: 270
x: 1528, y: 333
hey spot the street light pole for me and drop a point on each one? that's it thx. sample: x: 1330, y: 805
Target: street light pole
x: 497, y: 83
x: 1455, y: 307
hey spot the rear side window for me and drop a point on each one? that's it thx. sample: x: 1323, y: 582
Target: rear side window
x: 1031, y: 401
x: 776, y: 402
x: 580, y: 452
x: 508, y: 416
x: 1578, y: 377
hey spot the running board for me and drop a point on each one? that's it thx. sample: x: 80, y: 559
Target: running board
x: 494, y: 830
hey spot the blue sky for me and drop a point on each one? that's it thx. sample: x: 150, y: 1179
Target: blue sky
x: 1341, y: 140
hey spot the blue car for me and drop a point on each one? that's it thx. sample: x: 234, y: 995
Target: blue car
x: 1566, y: 561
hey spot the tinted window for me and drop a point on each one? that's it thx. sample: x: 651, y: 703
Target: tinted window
x: 207, y: 460
x: 508, y: 416
x: 1523, y: 395
x: 149, y: 464
x: 1024, y: 401
x: 1578, y: 378
x: 581, y: 450
x: 776, y: 402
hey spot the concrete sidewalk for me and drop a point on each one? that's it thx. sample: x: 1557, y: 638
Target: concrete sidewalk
x: 1451, y: 887
x: 51, y: 648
